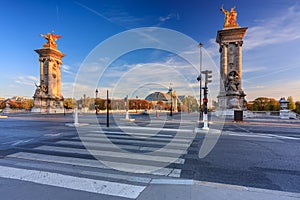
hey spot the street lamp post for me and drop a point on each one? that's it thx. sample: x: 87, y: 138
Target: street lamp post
x: 136, y: 102
x: 84, y: 96
x: 96, y: 106
x: 199, y: 78
x: 171, y: 110
x: 107, y: 109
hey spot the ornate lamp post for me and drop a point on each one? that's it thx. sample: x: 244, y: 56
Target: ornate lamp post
x: 96, y: 106
x: 170, y: 90
x: 199, y: 78
x: 84, y: 96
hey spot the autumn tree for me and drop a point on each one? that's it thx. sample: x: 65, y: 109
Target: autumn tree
x: 100, y: 104
x: 190, y: 104
x: 26, y: 104
x: 14, y: 104
x: 272, y: 105
x: 297, y: 109
x: 160, y: 105
x: 291, y: 104
x: 2, y: 105
x: 69, y: 103
x: 265, y: 104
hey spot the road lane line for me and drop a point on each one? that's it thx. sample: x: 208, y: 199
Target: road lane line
x: 72, y: 182
x: 245, y: 135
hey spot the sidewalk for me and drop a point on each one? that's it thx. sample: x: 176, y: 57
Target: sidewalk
x: 197, y: 190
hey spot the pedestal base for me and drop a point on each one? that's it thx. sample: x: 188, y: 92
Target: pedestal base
x: 48, y: 105
x: 232, y: 101
x: 284, y: 114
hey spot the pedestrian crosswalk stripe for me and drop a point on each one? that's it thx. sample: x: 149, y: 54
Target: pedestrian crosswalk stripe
x: 72, y: 182
x: 115, y: 155
x: 94, y: 163
x: 59, y: 159
x: 131, y: 141
x: 134, y: 136
x: 123, y: 146
x: 157, y: 129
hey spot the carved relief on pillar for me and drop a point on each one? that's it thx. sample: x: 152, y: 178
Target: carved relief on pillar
x: 222, y: 46
x: 239, y: 43
x: 232, y: 82
x: 231, y: 56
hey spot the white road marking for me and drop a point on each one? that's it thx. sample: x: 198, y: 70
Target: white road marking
x: 94, y: 163
x: 113, y: 154
x: 53, y: 134
x: 247, y: 135
x: 173, y: 181
x: 72, y: 182
x: 135, y: 134
x: 263, y: 135
x: 139, y: 136
x: 59, y: 159
x: 156, y: 129
x: 103, y: 139
x: 21, y: 142
x: 285, y: 137
x: 123, y: 146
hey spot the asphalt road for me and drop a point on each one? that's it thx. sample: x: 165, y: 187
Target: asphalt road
x: 257, y: 153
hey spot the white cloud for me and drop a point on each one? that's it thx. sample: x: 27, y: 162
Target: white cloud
x: 280, y: 29
x: 213, y: 48
x: 170, y: 16
x: 66, y: 69
x: 274, y: 90
x: 26, y: 80
x: 249, y: 69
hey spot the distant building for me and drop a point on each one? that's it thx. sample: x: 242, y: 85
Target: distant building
x: 164, y: 98
x: 20, y: 98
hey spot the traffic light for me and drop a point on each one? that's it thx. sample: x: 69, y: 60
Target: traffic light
x: 205, y: 101
x: 207, y: 80
x: 207, y: 76
x: 205, y: 91
x: 199, y: 78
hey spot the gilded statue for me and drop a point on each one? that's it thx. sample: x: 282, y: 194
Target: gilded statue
x: 51, y: 39
x: 230, y: 18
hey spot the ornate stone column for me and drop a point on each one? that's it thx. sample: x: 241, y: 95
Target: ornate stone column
x: 231, y: 93
x: 47, y: 97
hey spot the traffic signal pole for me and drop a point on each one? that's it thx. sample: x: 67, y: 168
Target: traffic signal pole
x: 205, y: 99
x: 205, y: 115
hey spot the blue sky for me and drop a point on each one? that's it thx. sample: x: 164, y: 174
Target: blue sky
x: 271, y: 61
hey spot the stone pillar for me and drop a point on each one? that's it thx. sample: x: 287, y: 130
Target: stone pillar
x: 41, y: 70
x: 231, y: 95
x: 58, y: 81
x: 47, y: 97
x: 239, y: 60
x: 50, y: 81
x: 223, y: 63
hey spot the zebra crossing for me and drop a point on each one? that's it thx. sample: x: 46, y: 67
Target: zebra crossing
x: 69, y: 164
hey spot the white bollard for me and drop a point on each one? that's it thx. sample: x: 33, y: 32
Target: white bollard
x: 76, y: 117
x: 205, y: 122
x: 127, y: 115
